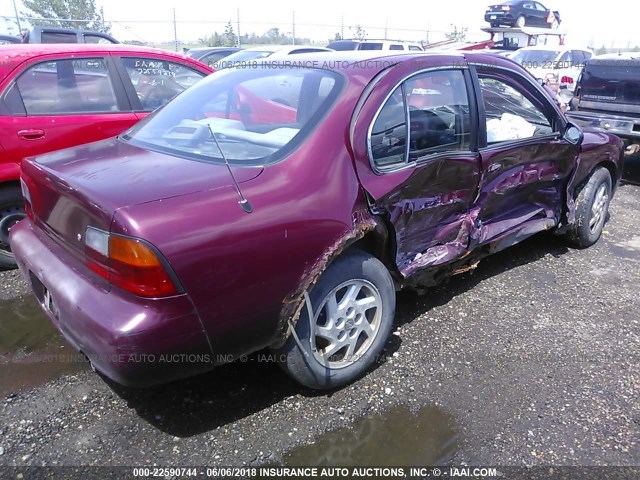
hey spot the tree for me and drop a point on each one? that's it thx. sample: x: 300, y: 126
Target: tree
x: 336, y: 37
x: 457, y: 34
x: 229, y: 38
x: 359, y: 32
x: 66, y: 14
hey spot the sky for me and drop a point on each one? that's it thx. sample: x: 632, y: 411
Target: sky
x: 584, y: 23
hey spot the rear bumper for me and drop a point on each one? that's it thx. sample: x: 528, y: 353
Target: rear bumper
x: 133, y: 341
x: 500, y: 18
x: 624, y: 127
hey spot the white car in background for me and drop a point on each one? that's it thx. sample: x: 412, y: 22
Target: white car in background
x: 269, y: 52
x: 564, y: 61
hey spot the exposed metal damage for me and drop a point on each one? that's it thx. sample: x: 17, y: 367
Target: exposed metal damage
x: 294, y: 303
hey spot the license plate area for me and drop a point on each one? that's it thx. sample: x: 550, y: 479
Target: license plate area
x: 44, y: 296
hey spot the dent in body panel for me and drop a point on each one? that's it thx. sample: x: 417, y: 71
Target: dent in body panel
x: 292, y: 305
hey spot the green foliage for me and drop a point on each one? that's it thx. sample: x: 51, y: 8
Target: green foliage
x: 359, y: 33
x: 81, y: 14
x: 273, y: 36
x: 457, y: 34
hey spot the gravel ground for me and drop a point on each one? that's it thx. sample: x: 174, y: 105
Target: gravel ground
x: 532, y: 358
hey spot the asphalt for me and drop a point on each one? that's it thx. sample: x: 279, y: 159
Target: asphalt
x: 531, y: 359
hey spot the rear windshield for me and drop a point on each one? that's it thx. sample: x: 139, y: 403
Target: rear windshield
x: 341, y: 45
x: 536, y: 58
x: 256, y: 114
x: 243, y: 56
x: 613, y: 82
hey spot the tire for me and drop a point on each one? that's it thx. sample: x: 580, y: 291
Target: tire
x: 353, y: 347
x: 521, y: 22
x: 11, y: 212
x: 592, y: 208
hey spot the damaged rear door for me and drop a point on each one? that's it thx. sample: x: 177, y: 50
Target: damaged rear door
x: 525, y: 160
x: 423, y: 170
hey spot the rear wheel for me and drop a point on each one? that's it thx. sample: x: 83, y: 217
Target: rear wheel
x: 353, y: 305
x: 592, y: 208
x: 11, y: 212
x: 521, y: 21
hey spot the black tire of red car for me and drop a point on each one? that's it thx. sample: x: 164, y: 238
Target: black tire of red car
x: 11, y: 211
x: 303, y: 362
x: 591, y: 206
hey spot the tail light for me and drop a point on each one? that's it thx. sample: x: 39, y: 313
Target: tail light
x: 26, y: 195
x: 129, y: 263
x: 506, y: 8
x: 566, y: 80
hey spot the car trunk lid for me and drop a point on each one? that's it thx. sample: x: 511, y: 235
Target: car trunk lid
x: 84, y: 186
x: 611, y: 86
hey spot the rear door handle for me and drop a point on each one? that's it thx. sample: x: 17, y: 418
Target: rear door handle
x: 31, y: 133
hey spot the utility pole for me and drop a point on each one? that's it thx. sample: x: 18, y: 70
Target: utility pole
x: 15, y: 9
x: 386, y: 26
x: 238, y: 25
x: 175, y: 29
x: 293, y: 28
x: 342, y: 27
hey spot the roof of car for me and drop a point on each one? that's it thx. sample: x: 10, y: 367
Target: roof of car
x: 13, y: 55
x: 284, y: 49
x: 622, y: 56
x: 556, y: 47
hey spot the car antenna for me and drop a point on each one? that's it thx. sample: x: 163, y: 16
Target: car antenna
x: 244, y: 203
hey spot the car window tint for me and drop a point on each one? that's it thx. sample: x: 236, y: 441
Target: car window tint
x: 388, y: 139
x: 212, y: 59
x: 96, y: 39
x: 157, y: 81
x: 370, y: 46
x: 395, y: 47
x: 414, y: 48
x: 438, y: 112
x: 67, y: 86
x: 540, y: 8
x: 510, y: 114
x: 58, y: 37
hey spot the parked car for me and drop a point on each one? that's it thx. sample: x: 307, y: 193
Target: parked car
x: 521, y: 13
x: 607, y: 96
x: 272, y: 52
x: 9, y: 39
x: 58, y: 96
x: 65, y: 35
x: 371, y: 44
x: 563, y: 61
x: 211, y: 55
x: 212, y: 229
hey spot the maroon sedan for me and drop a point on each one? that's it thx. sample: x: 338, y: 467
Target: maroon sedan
x: 282, y: 205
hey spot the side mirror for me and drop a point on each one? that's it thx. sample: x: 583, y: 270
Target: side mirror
x: 573, y: 134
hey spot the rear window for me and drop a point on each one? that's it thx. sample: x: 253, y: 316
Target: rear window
x: 536, y: 58
x: 342, y: 45
x: 613, y: 82
x: 58, y: 37
x: 256, y: 114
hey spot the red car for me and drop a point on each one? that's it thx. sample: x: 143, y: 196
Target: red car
x: 63, y: 95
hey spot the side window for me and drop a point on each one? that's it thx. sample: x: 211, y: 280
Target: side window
x: 213, y: 58
x: 437, y: 106
x: 439, y: 113
x: 510, y: 114
x: 96, y: 39
x: 59, y: 37
x: 157, y: 81
x: 388, y: 139
x: 540, y: 8
x: 578, y: 58
x: 566, y: 58
x: 67, y: 86
x: 414, y: 48
x: 395, y: 47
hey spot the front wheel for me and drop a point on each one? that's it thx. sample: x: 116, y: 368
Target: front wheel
x: 521, y: 21
x: 592, y: 208
x: 11, y: 212
x: 352, y: 310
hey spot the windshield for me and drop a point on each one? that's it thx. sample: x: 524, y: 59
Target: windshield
x: 257, y: 115
x: 536, y: 58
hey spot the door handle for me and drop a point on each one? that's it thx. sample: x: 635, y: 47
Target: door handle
x: 31, y: 133
x: 493, y: 167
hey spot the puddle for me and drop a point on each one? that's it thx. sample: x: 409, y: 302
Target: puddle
x: 397, y: 437
x: 32, y: 351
